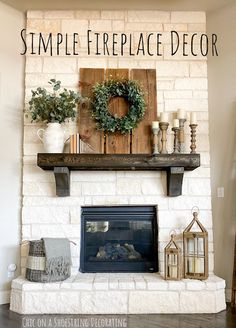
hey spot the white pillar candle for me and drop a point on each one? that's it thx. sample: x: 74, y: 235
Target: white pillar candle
x: 155, y: 125
x: 164, y: 118
x: 181, y: 114
x: 193, y: 118
x: 176, y: 123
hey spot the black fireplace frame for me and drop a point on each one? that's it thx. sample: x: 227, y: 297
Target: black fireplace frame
x: 139, y: 212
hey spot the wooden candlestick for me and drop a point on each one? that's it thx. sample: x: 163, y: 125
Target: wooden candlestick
x: 193, y: 147
x: 163, y: 127
x: 155, y: 140
x: 176, y: 144
x: 181, y: 135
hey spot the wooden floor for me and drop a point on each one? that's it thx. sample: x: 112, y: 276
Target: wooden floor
x: 224, y: 319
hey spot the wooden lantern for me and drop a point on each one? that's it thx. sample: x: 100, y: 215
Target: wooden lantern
x: 172, y: 255
x: 195, y: 239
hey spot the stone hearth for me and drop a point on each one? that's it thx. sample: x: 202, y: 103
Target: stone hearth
x: 118, y: 293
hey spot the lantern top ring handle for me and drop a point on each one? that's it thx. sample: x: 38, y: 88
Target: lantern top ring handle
x: 173, y: 233
x: 195, y: 209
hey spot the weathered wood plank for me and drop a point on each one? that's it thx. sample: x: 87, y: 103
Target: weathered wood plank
x: 111, y: 162
x: 117, y: 143
x: 142, y: 135
x: 87, y: 125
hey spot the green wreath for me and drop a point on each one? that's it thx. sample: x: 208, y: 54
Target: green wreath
x: 129, y: 90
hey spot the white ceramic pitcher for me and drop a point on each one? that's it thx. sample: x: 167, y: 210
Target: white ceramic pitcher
x: 53, y: 138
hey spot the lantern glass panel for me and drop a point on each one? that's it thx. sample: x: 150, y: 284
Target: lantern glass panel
x: 172, y: 266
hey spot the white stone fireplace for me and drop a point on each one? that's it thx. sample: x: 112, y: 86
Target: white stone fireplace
x: 181, y: 83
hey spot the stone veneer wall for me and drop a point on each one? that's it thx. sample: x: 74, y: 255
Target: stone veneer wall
x: 181, y: 83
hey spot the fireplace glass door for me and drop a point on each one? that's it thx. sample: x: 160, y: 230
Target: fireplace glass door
x: 119, y: 239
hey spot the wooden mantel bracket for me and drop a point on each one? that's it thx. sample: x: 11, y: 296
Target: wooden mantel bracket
x: 174, y: 181
x: 173, y: 164
x: 62, y: 178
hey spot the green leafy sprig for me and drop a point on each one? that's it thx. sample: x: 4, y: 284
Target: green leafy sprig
x: 55, y: 106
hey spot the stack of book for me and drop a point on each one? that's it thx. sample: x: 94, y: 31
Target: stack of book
x: 75, y: 144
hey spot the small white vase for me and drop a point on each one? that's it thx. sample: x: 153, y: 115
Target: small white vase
x: 53, y: 138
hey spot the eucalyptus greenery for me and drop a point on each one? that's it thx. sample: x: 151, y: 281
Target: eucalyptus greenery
x: 55, y: 106
x: 129, y: 90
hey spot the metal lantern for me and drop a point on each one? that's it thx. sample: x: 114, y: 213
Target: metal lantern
x: 195, y: 239
x: 172, y: 254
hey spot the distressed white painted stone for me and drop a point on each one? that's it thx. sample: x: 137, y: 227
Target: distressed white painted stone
x: 79, y: 26
x: 128, y: 187
x: 42, y: 26
x: 140, y: 282
x: 18, y: 283
x: 110, y: 200
x: 53, y: 201
x: 176, y: 285
x: 118, y: 25
x: 55, y: 231
x: 93, y: 188
x: 181, y: 218
x: 26, y: 231
x: 113, y: 283
x: 45, y: 215
x: 178, y: 94
x: 59, y: 14
x: 126, y: 283
x: 155, y: 282
x: 138, y: 175
x: 197, y: 302
x: 100, y: 283
x: 16, y: 301
x: 199, y: 187
x: 220, y: 300
x: 141, y: 302
x: 194, y: 284
x: 33, y: 149
x: 33, y: 65
x: 195, y: 27
x: 152, y: 187
x: 147, y: 64
x: 191, y: 84
x: 52, y: 302
x: 68, y: 80
x: 161, y: 201
x: 173, y: 69
x: 200, y: 94
x: 143, y: 27
x: 165, y: 84
x: 33, y: 80
x: 34, y: 14
x: 193, y: 104
x: 187, y: 202
x: 93, y: 176
x: 188, y: 17
x: 100, y: 25
x: 88, y: 14
x: 198, y: 69
x: 59, y: 65
x: 176, y: 27
x: 112, y: 14
x: 100, y: 302
x: 148, y: 16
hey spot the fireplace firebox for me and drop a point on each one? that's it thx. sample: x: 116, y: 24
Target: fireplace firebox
x: 119, y: 239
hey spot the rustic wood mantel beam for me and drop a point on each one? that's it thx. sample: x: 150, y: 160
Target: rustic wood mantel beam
x: 173, y: 164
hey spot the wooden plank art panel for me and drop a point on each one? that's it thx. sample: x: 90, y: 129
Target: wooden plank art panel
x: 140, y: 139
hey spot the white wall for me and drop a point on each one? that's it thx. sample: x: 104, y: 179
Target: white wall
x: 11, y: 100
x: 222, y: 108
